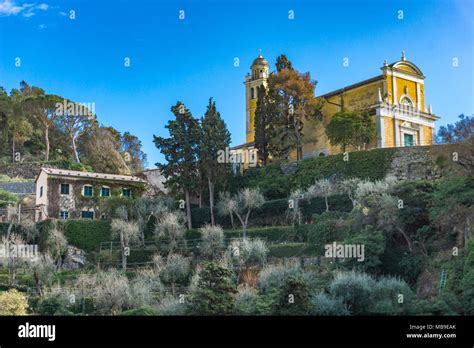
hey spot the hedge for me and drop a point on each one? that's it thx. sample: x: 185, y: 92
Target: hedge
x: 373, y: 164
x: 271, y: 234
x: 87, y: 234
x: 293, y: 250
x: 274, y: 212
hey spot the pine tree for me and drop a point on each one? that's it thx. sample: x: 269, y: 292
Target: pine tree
x: 214, y: 295
x: 181, y: 154
x: 215, y: 138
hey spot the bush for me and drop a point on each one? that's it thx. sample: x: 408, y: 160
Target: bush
x: 246, y: 301
x: 323, y: 304
x: 327, y: 229
x: 52, y: 306
x: 374, y: 246
x: 13, y: 302
x: 142, y: 311
x: 355, y: 290
x: 87, y: 234
x: 273, y: 277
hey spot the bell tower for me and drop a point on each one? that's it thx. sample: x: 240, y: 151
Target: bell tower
x: 257, y: 77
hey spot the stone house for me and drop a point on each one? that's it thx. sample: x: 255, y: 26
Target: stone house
x: 65, y: 194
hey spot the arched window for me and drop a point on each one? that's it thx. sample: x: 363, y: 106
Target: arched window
x: 253, y: 92
x: 405, y: 101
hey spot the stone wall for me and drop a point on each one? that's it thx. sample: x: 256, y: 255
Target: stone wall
x: 433, y: 162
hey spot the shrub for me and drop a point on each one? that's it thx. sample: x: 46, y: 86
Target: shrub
x: 246, y: 301
x: 323, y: 304
x: 172, y: 306
x: 248, y: 252
x: 387, y: 298
x: 327, y: 229
x: 374, y: 246
x: 52, y: 306
x: 13, y: 302
x: 273, y: 277
x: 294, y: 298
x: 215, y: 292
x: 142, y: 311
x: 87, y: 234
x: 355, y: 290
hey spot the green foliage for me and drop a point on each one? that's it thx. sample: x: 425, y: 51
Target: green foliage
x: 373, y: 165
x: 397, y: 261
x: 355, y: 290
x: 52, y: 306
x: 294, y: 297
x: 7, y: 198
x: 323, y: 304
x: 374, y: 246
x: 270, y: 180
x: 284, y: 250
x: 87, y: 234
x: 351, y: 128
x: 327, y: 229
x: 142, y: 311
x: 215, y: 292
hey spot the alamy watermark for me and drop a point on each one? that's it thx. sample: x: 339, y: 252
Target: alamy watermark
x: 67, y: 108
x: 345, y: 251
x: 241, y: 157
x: 27, y: 251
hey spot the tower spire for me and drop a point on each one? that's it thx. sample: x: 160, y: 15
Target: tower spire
x: 403, y: 56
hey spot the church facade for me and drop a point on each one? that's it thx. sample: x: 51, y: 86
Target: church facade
x: 395, y: 99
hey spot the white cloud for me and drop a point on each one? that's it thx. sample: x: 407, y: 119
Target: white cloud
x: 11, y: 8
x: 8, y: 8
x: 42, y: 26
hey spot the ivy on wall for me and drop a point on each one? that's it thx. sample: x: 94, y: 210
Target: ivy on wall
x: 81, y: 201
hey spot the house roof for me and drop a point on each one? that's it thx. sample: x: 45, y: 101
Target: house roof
x: 90, y: 175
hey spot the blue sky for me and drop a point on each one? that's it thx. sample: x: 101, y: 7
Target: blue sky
x: 193, y: 59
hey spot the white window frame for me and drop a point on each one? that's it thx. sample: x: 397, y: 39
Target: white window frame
x: 107, y: 187
x: 83, y: 190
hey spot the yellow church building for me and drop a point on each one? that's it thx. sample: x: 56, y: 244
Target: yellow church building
x: 395, y: 98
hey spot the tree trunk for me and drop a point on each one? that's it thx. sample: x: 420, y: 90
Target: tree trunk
x: 407, y: 239
x: 124, y: 257
x: 232, y: 220
x: 13, y: 143
x: 46, y: 142
x: 74, y: 148
x: 188, y: 209
x: 326, y: 201
x: 211, y: 199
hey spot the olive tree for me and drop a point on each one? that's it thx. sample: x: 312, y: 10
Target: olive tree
x: 174, y: 270
x: 243, y: 203
x: 212, y: 241
x: 322, y: 188
x: 128, y: 232
x: 170, y: 228
x: 226, y: 206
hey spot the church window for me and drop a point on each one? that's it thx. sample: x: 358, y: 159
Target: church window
x: 406, y: 101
